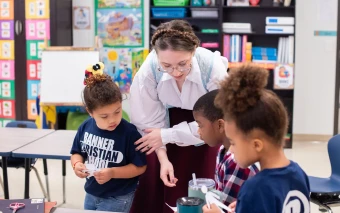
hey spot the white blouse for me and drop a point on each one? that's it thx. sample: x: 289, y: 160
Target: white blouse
x: 148, y: 100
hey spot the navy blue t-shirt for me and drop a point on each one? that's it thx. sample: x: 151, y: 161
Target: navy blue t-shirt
x: 275, y: 190
x: 106, y: 149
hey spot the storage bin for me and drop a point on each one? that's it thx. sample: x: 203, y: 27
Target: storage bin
x: 204, y: 12
x: 170, y: 2
x: 169, y: 12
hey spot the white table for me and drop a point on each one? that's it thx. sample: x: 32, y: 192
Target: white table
x: 54, y: 146
x: 12, y: 139
x: 64, y: 210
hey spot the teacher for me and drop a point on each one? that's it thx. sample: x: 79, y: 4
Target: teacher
x: 174, y: 75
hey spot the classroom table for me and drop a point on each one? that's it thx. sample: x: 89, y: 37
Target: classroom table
x: 12, y: 139
x: 54, y: 146
x: 64, y: 210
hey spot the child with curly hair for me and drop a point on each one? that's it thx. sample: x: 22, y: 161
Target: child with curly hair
x: 255, y: 122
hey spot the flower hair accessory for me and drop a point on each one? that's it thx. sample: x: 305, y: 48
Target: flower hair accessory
x: 96, y: 69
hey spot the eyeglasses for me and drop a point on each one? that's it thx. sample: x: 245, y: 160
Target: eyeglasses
x: 180, y: 68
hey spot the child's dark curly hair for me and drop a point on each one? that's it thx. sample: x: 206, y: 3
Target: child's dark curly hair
x: 244, y: 100
x: 100, y: 91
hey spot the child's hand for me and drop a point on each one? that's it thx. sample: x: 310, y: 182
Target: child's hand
x: 78, y: 170
x: 103, y: 175
x: 232, y: 206
x: 213, y: 209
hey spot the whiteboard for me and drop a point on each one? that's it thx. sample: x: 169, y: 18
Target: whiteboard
x: 62, y: 76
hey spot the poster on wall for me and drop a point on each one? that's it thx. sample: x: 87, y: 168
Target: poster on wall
x: 118, y: 63
x: 31, y: 109
x: 37, y: 29
x: 33, y: 70
x: 81, y: 18
x: 33, y: 88
x: 120, y: 27
x: 284, y: 77
x: 7, y: 89
x: 118, y: 3
x: 7, y: 70
x: 6, y: 49
x: 6, y: 9
x: 34, y: 49
x: 37, y: 9
x: 7, y: 109
x: 7, y: 29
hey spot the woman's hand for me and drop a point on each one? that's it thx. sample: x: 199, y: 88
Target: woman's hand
x: 168, y: 170
x: 150, y: 142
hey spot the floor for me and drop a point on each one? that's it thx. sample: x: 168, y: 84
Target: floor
x: 312, y: 157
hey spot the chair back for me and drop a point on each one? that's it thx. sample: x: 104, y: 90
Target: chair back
x: 334, y: 154
x: 22, y: 124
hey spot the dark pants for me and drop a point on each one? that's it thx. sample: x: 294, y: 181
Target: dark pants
x: 152, y: 194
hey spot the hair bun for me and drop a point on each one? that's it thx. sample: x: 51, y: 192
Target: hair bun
x: 243, y: 87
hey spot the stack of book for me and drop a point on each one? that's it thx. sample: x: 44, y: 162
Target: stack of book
x: 264, y: 55
x: 237, y: 48
x: 286, y: 50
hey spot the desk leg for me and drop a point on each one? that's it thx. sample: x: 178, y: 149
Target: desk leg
x: 4, y: 173
x: 27, y: 178
x: 46, y: 178
x: 64, y: 176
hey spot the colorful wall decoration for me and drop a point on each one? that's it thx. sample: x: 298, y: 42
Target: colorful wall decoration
x: 7, y: 71
x: 37, y: 30
x: 119, y: 26
x: 120, y: 23
x: 121, y: 65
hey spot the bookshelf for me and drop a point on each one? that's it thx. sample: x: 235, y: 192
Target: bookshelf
x: 256, y: 16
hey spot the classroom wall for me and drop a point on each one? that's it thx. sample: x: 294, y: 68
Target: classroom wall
x: 315, y: 67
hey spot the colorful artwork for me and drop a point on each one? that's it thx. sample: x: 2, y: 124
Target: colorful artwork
x: 137, y: 60
x: 7, y: 70
x: 284, y: 77
x: 6, y: 49
x: 7, y: 109
x: 7, y: 30
x: 37, y: 9
x: 34, y: 49
x: 33, y: 88
x: 120, y: 27
x: 118, y: 65
x: 33, y: 70
x: 37, y: 29
x: 6, y: 9
x: 31, y: 109
x: 7, y: 89
x: 118, y: 3
x: 4, y: 122
x: 81, y: 18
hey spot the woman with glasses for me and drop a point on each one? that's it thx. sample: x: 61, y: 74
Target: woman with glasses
x: 174, y: 75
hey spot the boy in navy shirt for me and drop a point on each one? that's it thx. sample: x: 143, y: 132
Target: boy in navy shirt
x: 106, y: 142
x: 255, y: 122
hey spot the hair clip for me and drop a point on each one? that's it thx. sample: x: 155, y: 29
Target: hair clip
x: 97, y: 69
